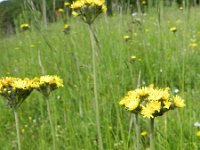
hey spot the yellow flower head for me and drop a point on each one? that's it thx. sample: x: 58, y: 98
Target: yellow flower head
x: 198, y: 133
x: 66, y: 26
x: 179, y: 102
x: 24, y: 26
x: 88, y: 10
x: 173, y: 29
x: 147, y: 112
x: 144, y: 133
x: 60, y: 10
x: 66, y: 3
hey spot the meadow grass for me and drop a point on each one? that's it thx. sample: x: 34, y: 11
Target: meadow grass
x: 162, y: 57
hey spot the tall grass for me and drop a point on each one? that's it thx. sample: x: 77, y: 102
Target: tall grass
x: 162, y: 57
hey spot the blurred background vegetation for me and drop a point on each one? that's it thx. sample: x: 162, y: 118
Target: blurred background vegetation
x: 14, y: 12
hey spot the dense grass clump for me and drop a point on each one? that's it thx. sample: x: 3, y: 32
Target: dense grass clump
x: 133, y: 51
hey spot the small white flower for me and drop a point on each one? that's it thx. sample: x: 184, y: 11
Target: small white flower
x: 176, y: 91
x: 197, y: 124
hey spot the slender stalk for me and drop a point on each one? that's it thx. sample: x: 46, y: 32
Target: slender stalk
x: 51, y: 123
x: 17, y: 129
x: 92, y: 40
x: 152, y: 134
x: 137, y: 128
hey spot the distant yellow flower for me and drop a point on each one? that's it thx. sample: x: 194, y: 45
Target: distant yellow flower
x: 32, y: 45
x: 179, y: 102
x: 126, y: 37
x: 193, y: 44
x: 66, y: 3
x: 198, y: 133
x: 173, y: 29
x: 60, y: 10
x: 66, y: 26
x: 144, y: 133
x: 144, y: 2
x: 180, y: 8
x: 133, y: 57
x: 25, y: 26
x: 88, y: 10
x: 75, y: 14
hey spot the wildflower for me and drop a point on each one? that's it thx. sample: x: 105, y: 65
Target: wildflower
x: 179, y: 102
x: 193, y: 44
x: 133, y: 58
x: 126, y: 37
x: 197, y: 124
x: 176, y: 91
x: 173, y: 29
x: 46, y: 84
x: 88, y: 10
x: 147, y: 112
x: 180, y: 8
x: 66, y: 4
x: 25, y: 26
x: 198, y: 133
x: 32, y: 45
x: 66, y: 28
x: 15, y: 90
x: 151, y: 102
x: 75, y: 14
x: 60, y: 10
x: 143, y: 133
x: 144, y: 2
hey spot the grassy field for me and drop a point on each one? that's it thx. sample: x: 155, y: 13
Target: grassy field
x: 163, y: 58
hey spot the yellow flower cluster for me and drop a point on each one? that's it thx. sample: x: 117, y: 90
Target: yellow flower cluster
x: 25, y: 26
x: 16, y: 90
x: 88, y: 10
x: 151, y: 102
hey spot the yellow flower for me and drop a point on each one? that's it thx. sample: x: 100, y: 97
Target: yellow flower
x: 155, y: 105
x: 66, y: 26
x: 147, y: 112
x: 133, y: 57
x: 198, y: 133
x: 179, y: 102
x: 143, y: 133
x: 173, y: 29
x: 167, y: 104
x: 144, y: 2
x: 60, y: 10
x: 133, y: 103
x: 66, y: 3
x: 193, y: 44
x: 126, y: 37
x: 75, y: 14
x: 24, y: 26
x: 180, y: 8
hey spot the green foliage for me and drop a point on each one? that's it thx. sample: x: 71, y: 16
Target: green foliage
x: 163, y: 57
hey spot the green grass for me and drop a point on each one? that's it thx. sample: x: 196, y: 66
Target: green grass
x: 166, y: 60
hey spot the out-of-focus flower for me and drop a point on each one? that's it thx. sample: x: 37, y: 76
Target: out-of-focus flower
x: 144, y: 133
x: 25, y: 26
x: 126, y: 37
x: 198, y: 133
x: 60, y: 10
x: 66, y: 4
x: 197, y: 124
x: 173, y: 29
x: 66, y: 28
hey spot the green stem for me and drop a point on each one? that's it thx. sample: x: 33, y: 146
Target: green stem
x: 152, y: 134
x: 51, y: 123
x: 137, y: 128
x: 92, y: 40
x: 17, y: 129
